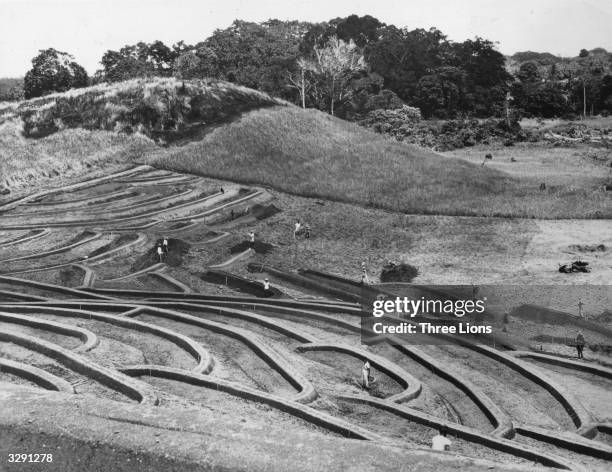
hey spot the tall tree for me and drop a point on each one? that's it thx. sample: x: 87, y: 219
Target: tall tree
x: 334, y: 65
x: 442, y: 93
x: 403, y: 57
x: 53, y: 71
x: 487, y: 80
x: 257, y: 55
x: 362, y: 30
x: 138, y: 60
x: 187, y: 65
x: 301, y: 80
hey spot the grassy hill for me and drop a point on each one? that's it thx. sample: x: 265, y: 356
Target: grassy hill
x: 242, y: 135
x: 309, y: 153
x: 68, y: 133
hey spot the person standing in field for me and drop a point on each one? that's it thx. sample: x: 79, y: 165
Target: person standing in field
x: 440, y: 442
x: 160, y: 252
x: 364, y: 274
x: 580, y: 342
x: 252, y: 240
x: 365, y: 375
x: 266, y: 285
x: 165, y: 245
x: 298, y: 228
x: 580, y: 306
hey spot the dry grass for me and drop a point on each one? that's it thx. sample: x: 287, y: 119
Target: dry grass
x: 544, y: 124
x: 70, y: 152
x: 309, y: 153
x: 577, y: 166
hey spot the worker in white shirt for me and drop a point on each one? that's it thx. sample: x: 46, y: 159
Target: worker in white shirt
x: 298, y: 228
x: 266, y: 285
x: 440, y: 442
x: 165, y: 245
x: 364, y: 274
x: 252, y: 239
x: 160, y: 252
x: 365, y: 375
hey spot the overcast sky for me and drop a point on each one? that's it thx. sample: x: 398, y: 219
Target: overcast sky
x: 87, y: 28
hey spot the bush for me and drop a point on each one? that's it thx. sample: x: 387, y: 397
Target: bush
x: 398, y: 272
x: 405, y: 125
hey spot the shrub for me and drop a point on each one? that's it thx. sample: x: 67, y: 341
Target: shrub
x: 398, y: 272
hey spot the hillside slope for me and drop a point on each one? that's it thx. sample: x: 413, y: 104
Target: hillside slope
x: 309, y: 153
x: 239, y: 134
x: 67, y: 133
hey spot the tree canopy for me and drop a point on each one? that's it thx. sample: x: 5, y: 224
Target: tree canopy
x: 53, y: 71
x: 347, y: 66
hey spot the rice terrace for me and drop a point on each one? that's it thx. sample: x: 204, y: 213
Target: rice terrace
x: 193, y: 266
x: 135, y: 339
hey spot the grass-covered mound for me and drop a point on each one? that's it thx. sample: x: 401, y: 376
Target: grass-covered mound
x: 309, y: 153
x: 160, y: 108
x: 68, y: 133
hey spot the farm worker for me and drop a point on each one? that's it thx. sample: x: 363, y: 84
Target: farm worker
x: 364, y: 274
x: 266, y: 286
x: 365, y: 375
x: 580, y: 305
x: 307, y: 231
x: 160, y: 252
x: 221, y: 190
x: 165, y: 245
x: 580, y: 342
x: 440, y: 442
x: 252, y: 239
x: 298, y: 228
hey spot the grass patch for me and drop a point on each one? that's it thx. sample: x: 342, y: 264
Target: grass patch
x: 309, y: 153
x: 71, y: 152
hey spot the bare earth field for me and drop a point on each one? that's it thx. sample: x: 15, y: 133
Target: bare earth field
x: 185, y: 360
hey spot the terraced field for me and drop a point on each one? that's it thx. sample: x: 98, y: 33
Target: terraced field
x: 87, y: 307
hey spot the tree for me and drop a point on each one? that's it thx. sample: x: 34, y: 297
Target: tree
x: 588, y: 82
x: 139, y: 60
x: 543, y: 99
x: 441, y: 93
x: 334, y: 64
x: 403, y: 57
x: 486, y: 80
x: 301, y: 80
x: 257, y: 55
x: 362, y: 30
x: 187, y: 65
x: 528, y: 72
x: 53, y: 71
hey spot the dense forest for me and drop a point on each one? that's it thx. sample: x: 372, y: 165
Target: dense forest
x: 354, y: 67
